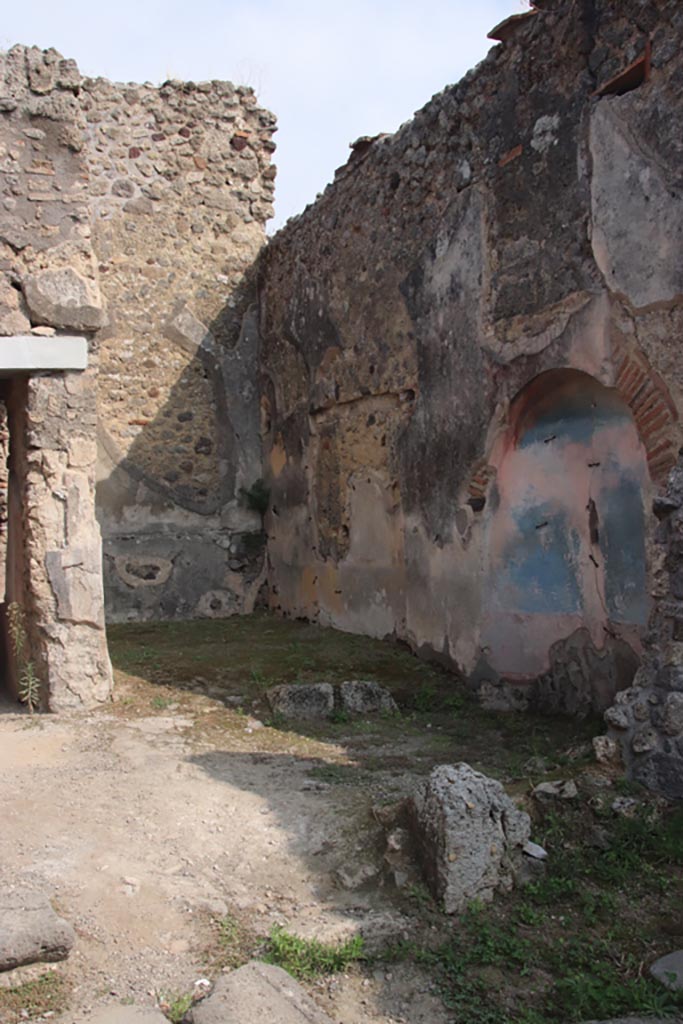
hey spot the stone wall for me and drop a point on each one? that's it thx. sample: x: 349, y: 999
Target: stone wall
x: 49, y: 288
x: 527, y: 221
x: 645, y: 724
x: 180, y: 187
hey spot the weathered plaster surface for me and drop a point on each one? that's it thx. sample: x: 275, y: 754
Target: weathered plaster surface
x: 519, y: 223
x: 645, y: 724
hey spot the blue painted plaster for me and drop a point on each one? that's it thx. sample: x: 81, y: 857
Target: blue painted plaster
x: 538, y: 572
x: 622, y: 542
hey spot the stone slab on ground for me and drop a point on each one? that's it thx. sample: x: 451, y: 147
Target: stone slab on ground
x: 378, y: 929
x: 469, y: 836
x: 637, y: 1020
x: 30, y: 930
x: 360, y: 697
x: 303, y: 701
x: 254, y: 994
x: 669, y: 970
x: 127, y: 1015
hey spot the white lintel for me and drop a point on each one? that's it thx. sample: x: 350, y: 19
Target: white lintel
x: 30, y: 353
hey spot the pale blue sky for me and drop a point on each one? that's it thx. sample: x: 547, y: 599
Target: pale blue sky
x: 330, y: 71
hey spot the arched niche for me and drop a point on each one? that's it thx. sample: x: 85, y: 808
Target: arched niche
x: 566, y: 576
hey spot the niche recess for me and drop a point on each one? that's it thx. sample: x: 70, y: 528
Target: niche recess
x: 565, y: 526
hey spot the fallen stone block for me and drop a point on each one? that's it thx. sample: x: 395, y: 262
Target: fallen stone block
x: 30, y: 930
x: 358, y: 697
x: 559, y: 790
x: 378, y: 929
x: 255, y: 994
x: 634, y: 1020
x: 669, y: 970
x: 469, y: 836
x: 127, y: 1015
x: 302, y: 701
x: 355, y: 876
x: 64, y: 298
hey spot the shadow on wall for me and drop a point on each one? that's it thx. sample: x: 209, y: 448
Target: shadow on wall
x: 180, y: 514
x: 566, y: 543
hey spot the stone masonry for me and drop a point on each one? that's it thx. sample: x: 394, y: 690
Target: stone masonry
x: 169, y: 190
x: 49, y: 288
x: 180, y: 187
x: 457, y: 372
x: 645, y: 724
x: 471, y: 379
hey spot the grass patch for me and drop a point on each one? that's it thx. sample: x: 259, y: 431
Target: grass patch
x: 575, y: 945
x: 236, y: 943
x: 246, y: 655
x: 48, y: 993
x: 338, y: 774
x: 175, y: 1006
x: 308, y: 958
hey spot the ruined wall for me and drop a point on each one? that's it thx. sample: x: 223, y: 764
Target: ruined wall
x: 527, y: 219
x: 180, y: 187
x: 645, y: 724
x: 49, y: 288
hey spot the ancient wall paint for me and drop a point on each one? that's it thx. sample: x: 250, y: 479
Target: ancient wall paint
x: 565, y: 531
x: 645, y: 724
x: 498, y: 205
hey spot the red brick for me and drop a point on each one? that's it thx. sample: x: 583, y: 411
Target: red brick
x: 644, y: 399
x: 621, y: 370
x: 511, y: 155
x: 665, y: 446
x: 651, y: 426
x: 635, y: 383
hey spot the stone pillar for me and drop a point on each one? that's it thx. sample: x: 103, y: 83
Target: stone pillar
x: 56, y: 554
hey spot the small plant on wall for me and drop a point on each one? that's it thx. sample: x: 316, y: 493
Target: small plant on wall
x: 257, y: 496
x: 29, y: 685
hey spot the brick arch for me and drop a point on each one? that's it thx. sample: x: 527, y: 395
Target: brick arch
x: 652, y: 407
x: 481, y: 476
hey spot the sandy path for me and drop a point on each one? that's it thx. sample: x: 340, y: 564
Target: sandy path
x: 140, y: 830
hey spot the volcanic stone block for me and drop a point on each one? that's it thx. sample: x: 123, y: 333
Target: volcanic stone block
x: 254, y: 994
x: 30, y: 930
x: 469, y: 836
x: 305, y: 701
x: 364, y: 698
x: 63, y: 298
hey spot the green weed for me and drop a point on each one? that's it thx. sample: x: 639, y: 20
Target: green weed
x: 175, y: 1006
x: 29, y: 684
x: 337, y: 774
x: 307, y: 958
x: 47, y: 994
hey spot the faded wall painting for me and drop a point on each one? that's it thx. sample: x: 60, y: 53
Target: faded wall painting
x: 566, y: 524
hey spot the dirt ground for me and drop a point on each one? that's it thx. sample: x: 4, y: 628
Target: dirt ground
x: 181, y: 805
x: 143, y: 827
x: 140, y: 832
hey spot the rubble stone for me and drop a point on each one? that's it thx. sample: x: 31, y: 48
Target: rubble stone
x: 256, y: 993
x: 63, y: 298
x: 302, y: 701
x: 669, y: 970
x: 645, y: 725
x: 364, y: 698
x: 469, y: 835
x: 30, y: 930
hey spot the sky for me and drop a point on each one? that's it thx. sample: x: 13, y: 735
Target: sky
x: 331, y: 72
